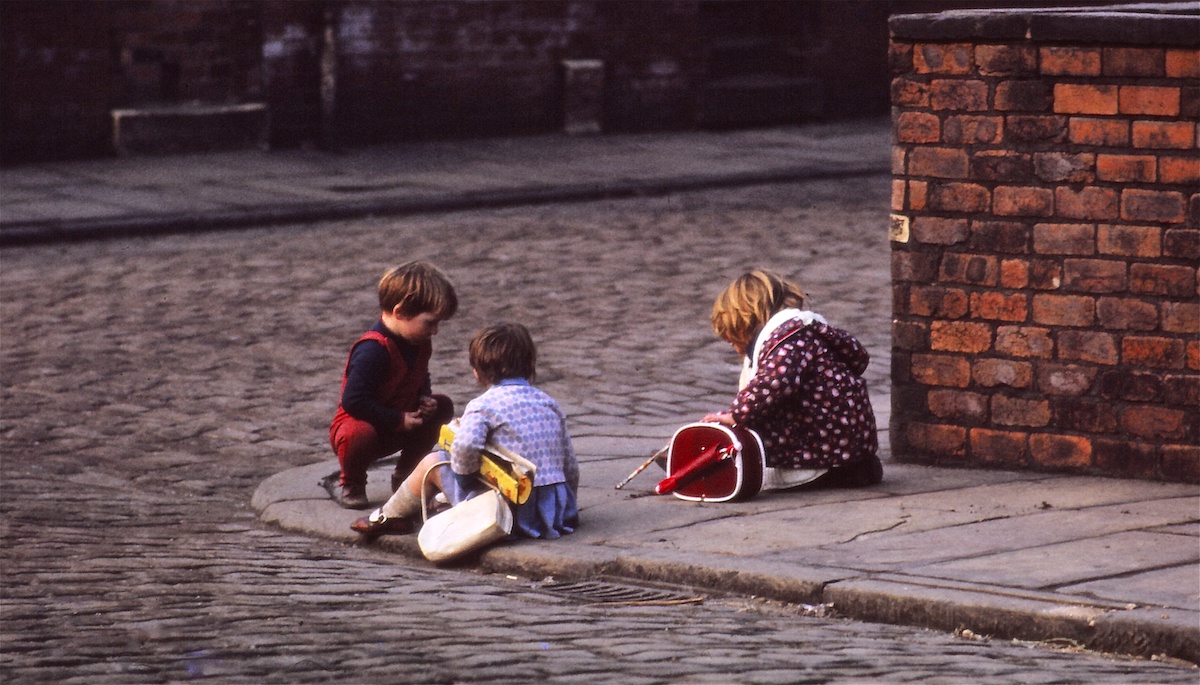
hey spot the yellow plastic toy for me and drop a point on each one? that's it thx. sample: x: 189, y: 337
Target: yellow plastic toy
x: 507, y: 471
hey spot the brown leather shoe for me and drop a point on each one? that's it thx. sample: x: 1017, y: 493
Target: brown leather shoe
x: 353, y: 497
x: 371, y: 527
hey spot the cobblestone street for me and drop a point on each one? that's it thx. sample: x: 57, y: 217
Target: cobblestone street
x: 149, y: 386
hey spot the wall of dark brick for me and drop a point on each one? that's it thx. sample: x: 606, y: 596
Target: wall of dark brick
x: 185, y: 50
x: 398, y: 70
x: 291, y: 67
x: 64, y: 65
x: 431, y: 69
x: 1046, y: 236
x: 56, y: 77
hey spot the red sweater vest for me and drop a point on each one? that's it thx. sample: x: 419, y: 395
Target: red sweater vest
x: 401, y: 387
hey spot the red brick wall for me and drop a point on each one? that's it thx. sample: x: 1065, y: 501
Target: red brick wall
x: 1046, y: 236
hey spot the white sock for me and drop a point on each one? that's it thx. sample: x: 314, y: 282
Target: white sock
x: 402, y: 503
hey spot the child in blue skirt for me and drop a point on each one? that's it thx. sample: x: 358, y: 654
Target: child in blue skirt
x: 513, y: 414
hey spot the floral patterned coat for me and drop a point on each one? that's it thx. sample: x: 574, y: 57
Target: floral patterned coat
x: 807, y: 398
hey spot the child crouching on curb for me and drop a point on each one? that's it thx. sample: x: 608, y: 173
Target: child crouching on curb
x: 386, y: 405
x: 801, y: 389
x: 512, y: 414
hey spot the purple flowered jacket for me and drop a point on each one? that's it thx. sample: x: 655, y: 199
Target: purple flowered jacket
x: 807, y: 399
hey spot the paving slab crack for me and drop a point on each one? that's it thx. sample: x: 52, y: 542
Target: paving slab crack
x: 884, y: 529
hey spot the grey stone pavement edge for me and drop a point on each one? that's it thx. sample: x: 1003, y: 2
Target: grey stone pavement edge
x: 134, y: 196
x: 1103, y: 563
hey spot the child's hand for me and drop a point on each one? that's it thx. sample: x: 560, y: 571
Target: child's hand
x: 724, y: 418
x: 413, y: 420
x: 427, y: 408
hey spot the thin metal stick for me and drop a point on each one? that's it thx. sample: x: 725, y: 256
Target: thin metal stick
x: 641, y: 468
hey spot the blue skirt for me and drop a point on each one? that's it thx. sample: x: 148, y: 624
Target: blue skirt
x: 550, y: 512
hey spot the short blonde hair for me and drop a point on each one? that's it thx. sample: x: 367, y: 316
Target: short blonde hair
x: 418, y: 288
x: 743, y: 308
x: 503, y: 351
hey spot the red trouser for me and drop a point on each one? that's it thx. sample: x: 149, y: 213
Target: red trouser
x: 358, y: 444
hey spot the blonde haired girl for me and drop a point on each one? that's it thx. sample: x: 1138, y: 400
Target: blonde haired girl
x: 801, y: 387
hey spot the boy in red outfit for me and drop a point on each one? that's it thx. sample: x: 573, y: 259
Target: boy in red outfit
x: 387, y: 404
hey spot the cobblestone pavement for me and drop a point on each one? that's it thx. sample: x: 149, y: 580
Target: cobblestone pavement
x: 150, y: 386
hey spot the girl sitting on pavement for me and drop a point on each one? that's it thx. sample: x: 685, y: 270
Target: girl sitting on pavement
x: 801, y: 387
x: 512, y: 414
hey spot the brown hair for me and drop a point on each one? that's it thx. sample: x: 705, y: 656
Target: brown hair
x: 743, y: 308
x: 503, y: 351
x: 417, y: 288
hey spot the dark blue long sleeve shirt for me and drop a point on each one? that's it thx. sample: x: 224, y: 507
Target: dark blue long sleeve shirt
x: 366, y: 370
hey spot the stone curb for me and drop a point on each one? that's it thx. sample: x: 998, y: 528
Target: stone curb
x: 65, y: 230
x: 294, y: 500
